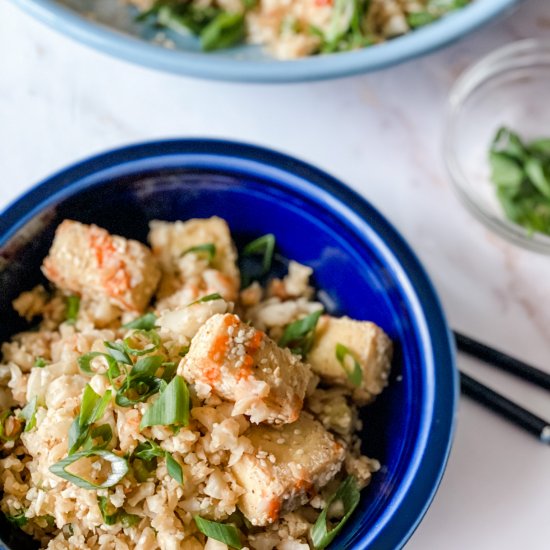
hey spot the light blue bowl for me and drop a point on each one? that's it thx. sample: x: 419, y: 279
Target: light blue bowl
x: 359, y: 260
x: 114, y: 31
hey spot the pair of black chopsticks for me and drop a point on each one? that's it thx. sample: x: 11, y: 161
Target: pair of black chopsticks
x: 493, y: 400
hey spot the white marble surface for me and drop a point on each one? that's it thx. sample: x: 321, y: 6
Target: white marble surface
x: 381, y: 133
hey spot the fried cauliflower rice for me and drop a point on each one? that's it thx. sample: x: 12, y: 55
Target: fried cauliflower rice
x: 157, y: 405
x: 294, y: 28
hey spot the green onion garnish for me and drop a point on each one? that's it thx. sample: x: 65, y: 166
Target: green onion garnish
x: 145, y: 322
x: 119, y: 468
x: 103, y: 433
x: 171, y: 408
x: 14, y: 431
x: 149, y: 450
x: 141, y: 382
x: 91, y: 410
x: 355, y: 374
x: 207, y: 298
x: 298, y: 336
x: 40, y: 362
x: 208, y: 250
x: 85, y: 363
x: 117, y: 351
x: 262, y: 245
x: 147, y: 341
x: 226, y: 30
x: 18, y: 519
x: 223, y: 532
x: 112, y: 515
x: 73, y: 305
x: 348, y: 494
x: 28, y: 413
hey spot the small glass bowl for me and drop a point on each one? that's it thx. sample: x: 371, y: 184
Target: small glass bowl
x: 510, y: 87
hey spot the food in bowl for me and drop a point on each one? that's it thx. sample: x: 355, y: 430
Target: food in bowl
x: 520, y: 171
x: 294, y: 29
x: 158, y: 405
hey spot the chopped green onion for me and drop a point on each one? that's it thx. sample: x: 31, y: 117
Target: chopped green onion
x: 145, y: 322
x: 208, y: 250
x: 112, y: 515
x: 40, y: 362
x: 174, y: 468
x: 141, y: 382
x: 91, y: 410
x: 184, y: 351
x: 149, y: 450
x: 119, y: 468
x: 171, y: 408
x: 150, y: 337
x: 224, y: 31
x: 262, y: 245
x: 103, y: 432
x: 85, y: 363
x: 298, y: 336
x: 28, y: 413
x: 117, y: 350
x: 18, y: 519
x: 223, y: 532
x: 207, y: 298
x: 14, y: 431
x: 348, y: 494
x: 355, y: 375
x: 73, y: 306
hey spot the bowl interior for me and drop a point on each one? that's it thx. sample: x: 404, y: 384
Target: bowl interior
x: 353, y: 270
x: 502, y: 90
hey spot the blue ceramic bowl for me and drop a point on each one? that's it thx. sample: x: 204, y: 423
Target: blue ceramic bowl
x: 359, y: 260
x: 113, y: 30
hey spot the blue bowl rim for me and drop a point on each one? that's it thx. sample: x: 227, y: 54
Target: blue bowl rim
x: 198, y: 64
x: 436, y: 434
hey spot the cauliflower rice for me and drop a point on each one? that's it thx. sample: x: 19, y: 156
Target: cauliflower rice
x: 242, y: 415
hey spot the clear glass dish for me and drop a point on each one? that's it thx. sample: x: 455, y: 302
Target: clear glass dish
x: 509, y: 87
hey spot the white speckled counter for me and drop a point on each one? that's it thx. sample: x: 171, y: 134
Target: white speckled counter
x: 380, y: 133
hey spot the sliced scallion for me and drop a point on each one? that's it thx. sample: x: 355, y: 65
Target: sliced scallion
x: 40, y: 362
x: 119, y: 468
x: 262, y: 245
x: 85, y: 362
x: 208, y: 250
x: 118, y: 351
x: 149, y: 450
x: 174, y: 468
x: 345, y: 356
x: 10, y: 427
x: 18, y: 519
x: 207, y: 298
x: 112, y: 515
x: 142, y: 381
x: 28, y: 413
x: 223, y: 532
x: 145, y: 322
x: 141, y: 342
x: 73, y: 306
x: 298, y: 336
x: 171, y: 408
x: 348, y: 495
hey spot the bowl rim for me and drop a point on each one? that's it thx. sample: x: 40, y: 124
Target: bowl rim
x: 399, y: 520
x: 517, y: 55
x: 421, y: 41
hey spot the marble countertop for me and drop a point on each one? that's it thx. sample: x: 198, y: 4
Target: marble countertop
x: 380, y: 133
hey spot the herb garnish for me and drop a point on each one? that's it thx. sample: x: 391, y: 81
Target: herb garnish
x: 344, y: 356
x: 348, y: 494
x: 149, y: 450
x: 521, y: 173
x: 264, y: 245
x: 73, y: 306
x: 207, y: 298
x: 223, y: 532
x: 14, y: 428
x: 171, y: 408
x: 145, y: 322
x: 208, y: 250
x: 40, y: 362
x: 298, y: 336
x: 28, y: 414
x: 112, y: 515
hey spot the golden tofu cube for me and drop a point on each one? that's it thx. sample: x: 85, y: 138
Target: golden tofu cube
x: 289, y: 465
x: 219, y: 273
x: 242, y: 364
x: 88, y: 260
x: 369, y: 346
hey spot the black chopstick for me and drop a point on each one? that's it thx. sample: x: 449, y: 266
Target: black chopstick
x: 510, y: 410
x: 502, y: 361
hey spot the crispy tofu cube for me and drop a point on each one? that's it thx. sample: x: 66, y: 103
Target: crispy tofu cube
x: 289, y: 464
x: 242, y: 364
x: 368, y: 343
x: 195, y: 273
x: 88, y: 260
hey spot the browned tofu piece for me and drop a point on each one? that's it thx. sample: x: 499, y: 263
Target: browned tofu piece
x: 88, y: 260
x: 367, y: 342
x: 289, y: 465
x: 242, y: 364
x: 220, y: 274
